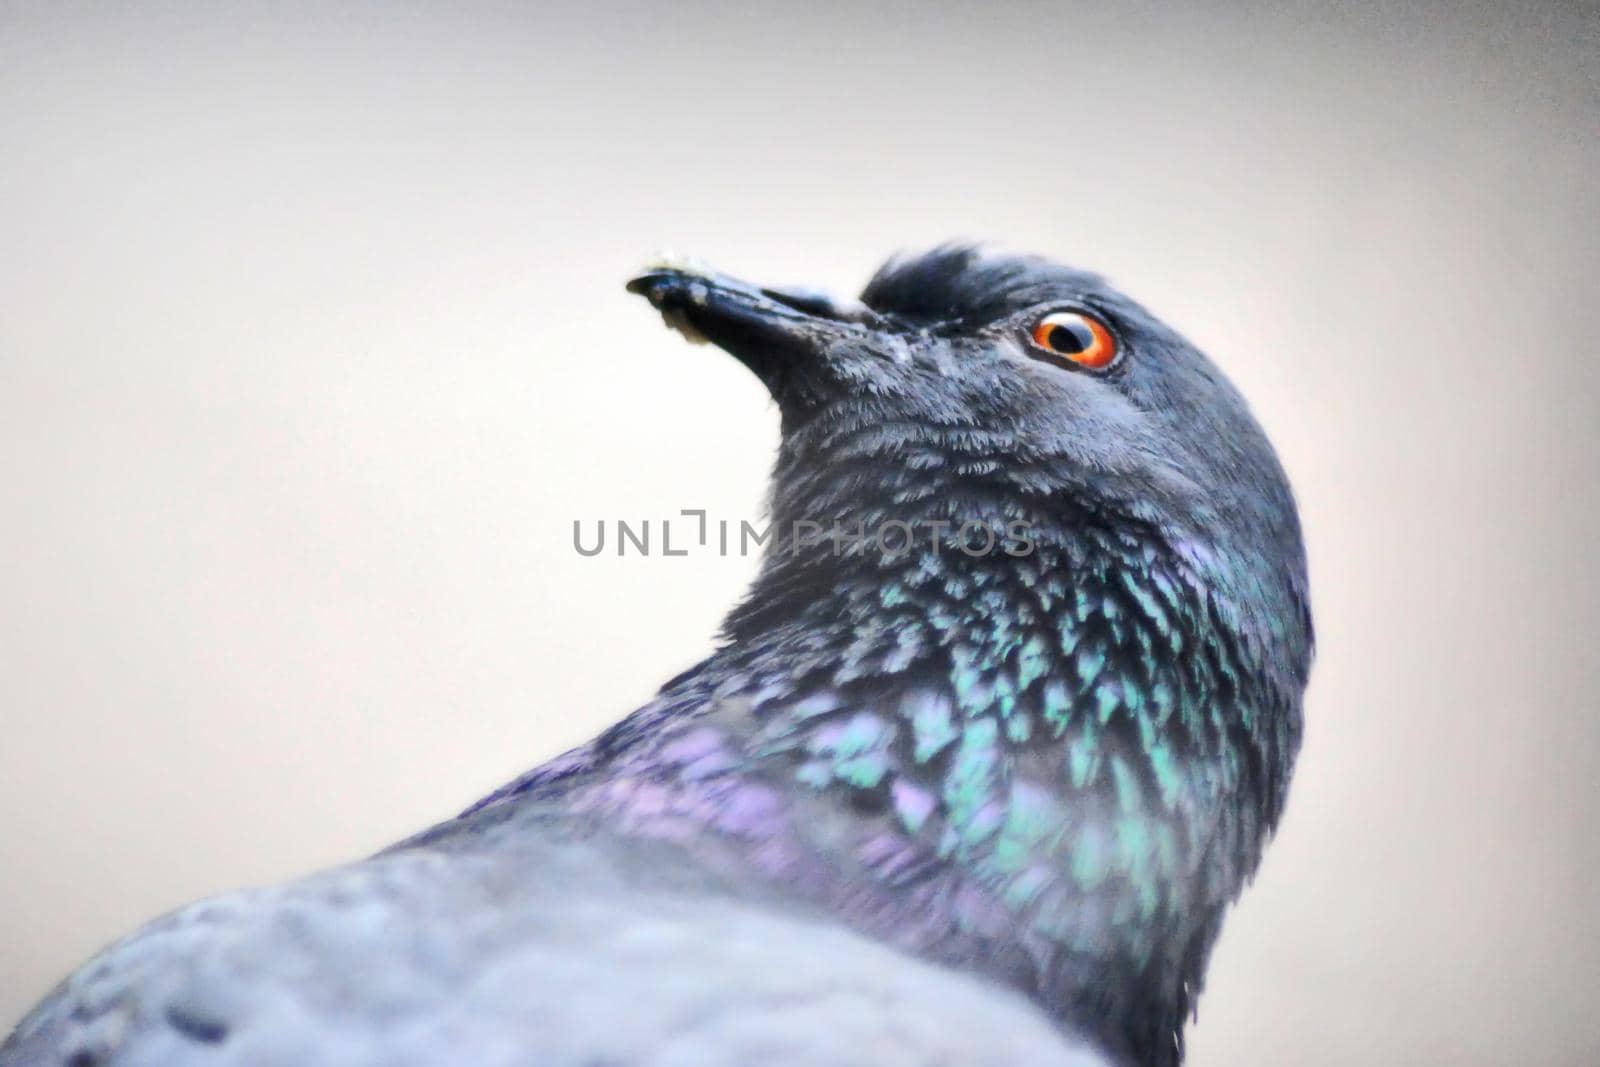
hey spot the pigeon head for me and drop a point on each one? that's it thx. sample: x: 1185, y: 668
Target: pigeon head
x: 966, y: 387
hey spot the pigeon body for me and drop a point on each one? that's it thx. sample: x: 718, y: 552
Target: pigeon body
x: 996, y: 737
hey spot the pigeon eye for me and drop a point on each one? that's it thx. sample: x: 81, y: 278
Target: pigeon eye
x: 1084, y: 340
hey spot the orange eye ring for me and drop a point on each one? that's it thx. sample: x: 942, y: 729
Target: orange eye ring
x: 1078, y: 337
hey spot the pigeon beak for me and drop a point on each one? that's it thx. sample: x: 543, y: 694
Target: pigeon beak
x: 777, y: 333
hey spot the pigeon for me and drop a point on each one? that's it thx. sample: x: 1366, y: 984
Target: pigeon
x: 994, y: 740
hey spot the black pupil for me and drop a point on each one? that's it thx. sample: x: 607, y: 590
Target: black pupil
x: 1070, y: 337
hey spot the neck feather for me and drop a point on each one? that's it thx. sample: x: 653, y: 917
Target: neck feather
x: 1067, y: 751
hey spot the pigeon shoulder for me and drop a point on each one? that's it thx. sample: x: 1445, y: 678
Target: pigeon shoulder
x: 425, y: 958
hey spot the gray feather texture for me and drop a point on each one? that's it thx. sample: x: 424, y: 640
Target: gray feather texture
x: 548, y: 951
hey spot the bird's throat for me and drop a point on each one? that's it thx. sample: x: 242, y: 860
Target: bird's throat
x: 1058, y: 757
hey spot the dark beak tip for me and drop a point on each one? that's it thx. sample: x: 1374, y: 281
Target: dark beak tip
x: 669, y: 286
x: 652, y: 286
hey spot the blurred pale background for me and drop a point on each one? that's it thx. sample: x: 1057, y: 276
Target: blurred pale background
x: 313, y: 344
